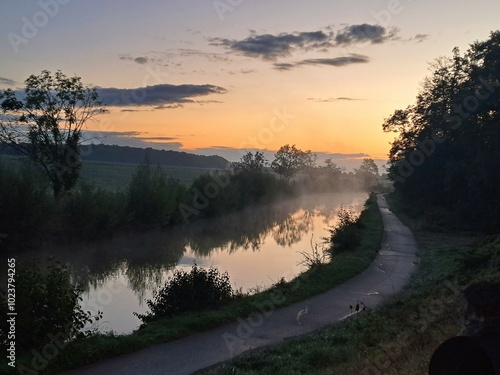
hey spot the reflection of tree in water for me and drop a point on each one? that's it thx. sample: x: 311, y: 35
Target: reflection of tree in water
x: 141, y: 257
x: 291, y: 230
x: 145, y: 258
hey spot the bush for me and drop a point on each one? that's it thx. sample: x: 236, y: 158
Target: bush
x: 153, y: 199
x: 47, y: 306
x: 26, y: 205
x: 91, y: 212
x: 345, y: 235
x: 197, y: 290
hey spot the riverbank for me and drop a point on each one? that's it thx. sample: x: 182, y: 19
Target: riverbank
x: 400, y: 337
x: 314, y: 281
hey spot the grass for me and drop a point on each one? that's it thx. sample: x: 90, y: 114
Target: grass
x: 314, y: 281
x: 400, y: 337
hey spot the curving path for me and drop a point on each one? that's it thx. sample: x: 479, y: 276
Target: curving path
x: 385, y: 277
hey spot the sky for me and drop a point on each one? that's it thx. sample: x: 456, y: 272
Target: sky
x: 228, y: 76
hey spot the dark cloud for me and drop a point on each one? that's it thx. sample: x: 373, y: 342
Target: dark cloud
x: 7, y: 81
x: 141, y: 60
x: 375, y: 34
x: 161, y: 96
x: 337, y: 61
x: 334, y: 61
x: 270, y: 47
x: 420, y: 37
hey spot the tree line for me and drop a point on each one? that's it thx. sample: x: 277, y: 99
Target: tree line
x: 45, y: 124
x: 445, y: 158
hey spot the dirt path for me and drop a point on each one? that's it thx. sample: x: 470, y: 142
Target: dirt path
x: 385, y: 277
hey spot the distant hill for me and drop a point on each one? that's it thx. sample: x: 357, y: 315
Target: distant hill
x: 126, y: 154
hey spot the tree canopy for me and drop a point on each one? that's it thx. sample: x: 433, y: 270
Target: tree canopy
x: 446, y: 155
x: 289, y: 160
x: 45, y: 123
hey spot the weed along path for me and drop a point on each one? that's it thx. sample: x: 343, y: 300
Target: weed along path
x: 385, y: 277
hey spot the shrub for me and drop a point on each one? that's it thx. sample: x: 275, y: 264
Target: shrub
x: 26, y: 205
x: 153, y: 198
x: 197, y: 290
x: 47, y: 306
x: 91, y: 212
x: 345, y: 235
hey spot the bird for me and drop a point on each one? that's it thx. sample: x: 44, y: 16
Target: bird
x: 302, y: 312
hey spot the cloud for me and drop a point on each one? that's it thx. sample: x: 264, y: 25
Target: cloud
x: 419, y: 38
x: 141, y: 60
x: 330, y: 100
x: 7, y: 81
x: 271, y: 47
x: 334, y: 61
x: 160, y: 96
x: 362, y: 33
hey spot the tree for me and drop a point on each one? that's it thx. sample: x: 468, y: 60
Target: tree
x: 448, y: 143
x: 45, y: 124
x: 252, y: 163
x: 289, y: 160
x: 368, y: 172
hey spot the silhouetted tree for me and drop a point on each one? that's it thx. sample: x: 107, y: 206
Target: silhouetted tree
x: 289, y: 160
x: 447, y: 152
x: 252, y: 162
x: 368, y: 172
x: 45, y: 123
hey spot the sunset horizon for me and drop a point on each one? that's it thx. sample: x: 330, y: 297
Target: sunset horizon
x: 223, y: 78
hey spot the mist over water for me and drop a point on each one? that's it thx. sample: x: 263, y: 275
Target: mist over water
x: 257, y: 247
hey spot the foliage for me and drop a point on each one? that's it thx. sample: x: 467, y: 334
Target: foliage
x: 46, y: 124
x: 319, y: 255
x: 48, y: 308
x: 197, y: 290
x: 250, y: 162
x: 345, y: 235
x: 217, y: 194
x: 289, y: 160
x: 448, y: 146
x: 25, y: 205
x: 153, y: 198
x: 90, y: 212
x: 368, y: 173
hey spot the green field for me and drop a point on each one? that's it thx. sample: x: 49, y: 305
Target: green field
x: 112, y: 176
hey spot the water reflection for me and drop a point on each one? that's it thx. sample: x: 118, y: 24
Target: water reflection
x: 255, y: 246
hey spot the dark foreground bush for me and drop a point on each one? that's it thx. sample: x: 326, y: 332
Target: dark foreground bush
x: 47, y: 306
x: 197, y: 290
x: 346, y: 234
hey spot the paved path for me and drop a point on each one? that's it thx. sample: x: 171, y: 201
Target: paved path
x: 386, y: 276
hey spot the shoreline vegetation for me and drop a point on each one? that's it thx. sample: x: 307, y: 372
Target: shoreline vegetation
x: 151, y: 198
x: 428, y: 311
x: 320, y: 277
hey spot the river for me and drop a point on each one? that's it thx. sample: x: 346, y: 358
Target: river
x: 256, y: 247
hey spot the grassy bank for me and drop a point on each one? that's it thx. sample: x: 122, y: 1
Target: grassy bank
x: 318, y: 279
x: 400, y: 337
